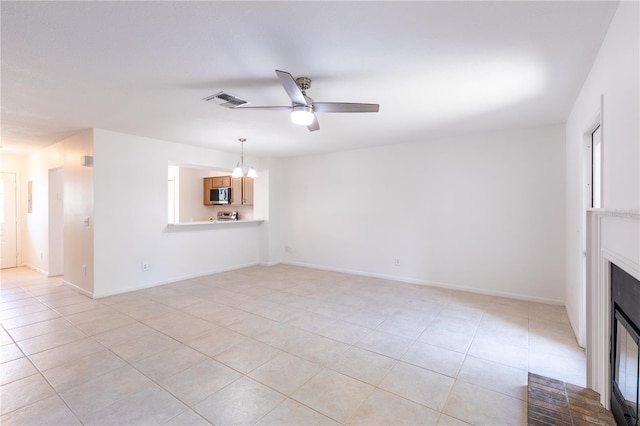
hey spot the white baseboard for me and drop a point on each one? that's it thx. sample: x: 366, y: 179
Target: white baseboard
x: 78, y: 289
x: 172, y: 280
x: 575, y: 331
x: 40, y: 271
x: 448, y: 286
x: 408, y: 280
x: 269, y: 263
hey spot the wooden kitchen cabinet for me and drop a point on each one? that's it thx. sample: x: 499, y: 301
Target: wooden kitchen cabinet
x: 221, y: 181
x: 242, y: 191
x: 247, y: 191
x: 236, y: 191
x: 209, y: 183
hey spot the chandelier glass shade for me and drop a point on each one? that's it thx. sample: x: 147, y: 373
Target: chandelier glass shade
x: 239, y: 170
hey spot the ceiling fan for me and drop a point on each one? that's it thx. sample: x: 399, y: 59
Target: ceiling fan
x: 302, y: 108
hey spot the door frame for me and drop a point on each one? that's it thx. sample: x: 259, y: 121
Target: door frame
x: 17, y: 217
x: 586, y: 204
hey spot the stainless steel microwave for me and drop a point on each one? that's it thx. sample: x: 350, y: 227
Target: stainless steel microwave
x: 220, y: 196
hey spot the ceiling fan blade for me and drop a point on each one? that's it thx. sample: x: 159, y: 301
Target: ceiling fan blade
x: 344, y: 107
x: 266, y: 107
x: 314, y: 125
x: 291, y: 87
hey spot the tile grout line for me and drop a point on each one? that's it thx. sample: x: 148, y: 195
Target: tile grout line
x: 41, y: 374
x: 326, y: 365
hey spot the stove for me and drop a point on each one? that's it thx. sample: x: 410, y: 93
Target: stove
x: 227, y: 216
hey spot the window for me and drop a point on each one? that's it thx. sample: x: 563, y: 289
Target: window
x: 596, y: 168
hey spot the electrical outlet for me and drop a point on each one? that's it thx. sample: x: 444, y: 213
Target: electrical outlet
x: 84, y: 270
x: 397, y: 261
x: 288, y: 249
x: 144, y: 266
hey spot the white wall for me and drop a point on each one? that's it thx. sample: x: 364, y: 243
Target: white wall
x: 131, y: 217
x: 56, y: 221
x: 268, y: 204
x: 78, y: 212
x: 192, y: 208
x: 483, y: 212
x: 614, y: 76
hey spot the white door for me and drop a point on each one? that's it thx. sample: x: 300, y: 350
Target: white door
x: 56, y: 222
x: 8, y: 222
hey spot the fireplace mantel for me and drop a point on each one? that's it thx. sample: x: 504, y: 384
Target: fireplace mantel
x: 613, y: 236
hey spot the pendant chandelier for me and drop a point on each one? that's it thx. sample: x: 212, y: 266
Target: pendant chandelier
x: 239, y: 171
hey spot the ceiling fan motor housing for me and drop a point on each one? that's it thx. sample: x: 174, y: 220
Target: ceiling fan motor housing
x: 303, y: 83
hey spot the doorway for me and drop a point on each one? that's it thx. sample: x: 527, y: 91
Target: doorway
x: 8, y: 221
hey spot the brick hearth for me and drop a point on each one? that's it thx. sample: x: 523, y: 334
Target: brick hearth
x: 553, y: 402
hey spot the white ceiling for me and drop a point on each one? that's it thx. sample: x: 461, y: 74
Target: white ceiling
x: 435, y: 68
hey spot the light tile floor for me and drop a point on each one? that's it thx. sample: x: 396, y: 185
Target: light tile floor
x: 274, y: 346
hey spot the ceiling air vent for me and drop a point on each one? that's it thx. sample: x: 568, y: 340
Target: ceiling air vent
x: 226, y: 100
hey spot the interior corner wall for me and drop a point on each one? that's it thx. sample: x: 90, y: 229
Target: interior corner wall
x: 36, y: 232
x: 130, y: 183
x: 614, y: 79
x: 78, y: 213
x: 268, y: 203
x: 483, y: 212
x: 78, y: 188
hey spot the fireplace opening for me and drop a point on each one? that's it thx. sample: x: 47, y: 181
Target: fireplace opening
x: 625, y: 340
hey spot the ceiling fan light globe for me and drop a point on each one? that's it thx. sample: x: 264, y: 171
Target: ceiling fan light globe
x: 302, y: 115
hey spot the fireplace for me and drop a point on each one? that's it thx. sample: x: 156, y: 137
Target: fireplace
x: 625, y: 338
x: 613, y: 244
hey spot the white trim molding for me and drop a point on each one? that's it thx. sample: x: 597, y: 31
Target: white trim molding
x: 613, y: 236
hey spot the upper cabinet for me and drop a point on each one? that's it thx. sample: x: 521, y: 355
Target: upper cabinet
x: 220, y: 181
x: 209, y: 183
x: 247, y: 191
x: 242, y: 191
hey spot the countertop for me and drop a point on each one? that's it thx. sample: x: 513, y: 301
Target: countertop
x: 212, y: 223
